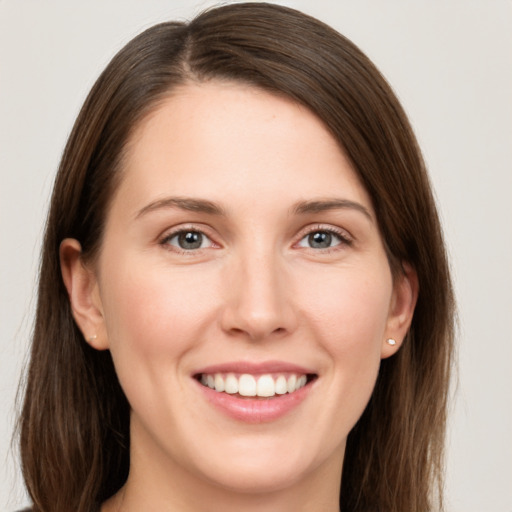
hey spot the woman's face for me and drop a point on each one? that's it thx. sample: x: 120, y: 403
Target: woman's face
x: 242, y: 252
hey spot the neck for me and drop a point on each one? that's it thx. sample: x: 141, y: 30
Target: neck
x: 159, y: 484
x: 131, y: 498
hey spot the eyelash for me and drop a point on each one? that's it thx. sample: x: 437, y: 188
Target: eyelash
x: 344, y: 239
x: 165, y: 241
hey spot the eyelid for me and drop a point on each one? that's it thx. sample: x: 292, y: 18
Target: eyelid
x: 346, y: 238
x: 170, y: 233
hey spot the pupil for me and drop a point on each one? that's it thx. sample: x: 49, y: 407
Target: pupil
x: 320, y: 240
x: 190, y: 240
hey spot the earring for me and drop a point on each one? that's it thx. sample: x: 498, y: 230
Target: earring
x: 92, y: 338
x: 391, y: 342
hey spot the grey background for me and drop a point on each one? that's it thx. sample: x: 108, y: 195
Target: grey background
x: 450, y: 64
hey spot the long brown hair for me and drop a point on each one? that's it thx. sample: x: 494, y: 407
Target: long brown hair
x: 74, y: 426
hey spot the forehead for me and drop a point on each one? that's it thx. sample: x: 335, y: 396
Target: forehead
x: 224, y: 140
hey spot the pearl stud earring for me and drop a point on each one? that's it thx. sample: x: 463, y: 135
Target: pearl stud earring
x: 391, y: 342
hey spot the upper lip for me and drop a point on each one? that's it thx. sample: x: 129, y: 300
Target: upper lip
x: 255, y: 368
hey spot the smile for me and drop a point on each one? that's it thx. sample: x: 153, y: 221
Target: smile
x: 253, y: 392
x: 248, y: 385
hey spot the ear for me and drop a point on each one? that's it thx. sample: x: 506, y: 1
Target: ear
x: 403, y: 302
x: 83, y: 293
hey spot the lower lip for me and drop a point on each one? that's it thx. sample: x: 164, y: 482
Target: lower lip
x: 255, y: 410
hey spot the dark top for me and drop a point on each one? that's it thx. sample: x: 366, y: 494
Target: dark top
x: 29, y: 509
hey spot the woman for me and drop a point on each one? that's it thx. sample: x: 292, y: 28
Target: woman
x: 244, y: 299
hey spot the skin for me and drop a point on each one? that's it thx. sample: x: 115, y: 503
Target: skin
x: 256, y: 290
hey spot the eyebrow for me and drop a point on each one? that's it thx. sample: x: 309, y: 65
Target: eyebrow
x: 318, y: 206
x: 183, y: 203
x: 211, y: 208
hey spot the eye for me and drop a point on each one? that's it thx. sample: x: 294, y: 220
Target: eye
x: 188, y: 240
x: 322, y: 239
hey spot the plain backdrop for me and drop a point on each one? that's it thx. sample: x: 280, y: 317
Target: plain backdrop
x: 450, y: 64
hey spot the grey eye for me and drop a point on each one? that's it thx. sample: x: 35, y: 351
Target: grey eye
x: 189, y: 240
x: 320, y: 240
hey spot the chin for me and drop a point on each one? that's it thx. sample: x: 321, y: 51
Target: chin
x: 252, y: 466
x: 257, y: 479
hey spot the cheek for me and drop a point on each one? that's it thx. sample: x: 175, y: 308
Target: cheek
x: 153, y: 315
x: 349, y: 316
x: 154, y: 318
x: 350, y: 308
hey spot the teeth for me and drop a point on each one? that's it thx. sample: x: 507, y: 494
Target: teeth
x: 281, y: 386
x: 231, y: 384
x: 266, y: 386
x: 292, y: 380
x: 219, y: 383
x: 301, y: 382
x: 249, y: 385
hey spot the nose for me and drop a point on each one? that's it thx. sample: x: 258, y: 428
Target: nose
x: 258, y: 302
